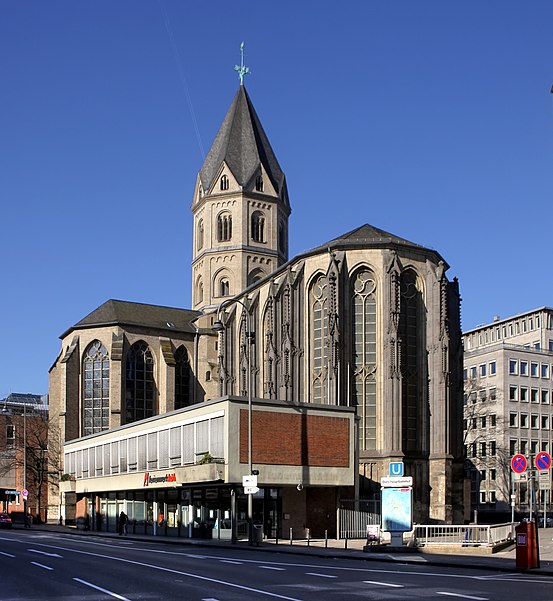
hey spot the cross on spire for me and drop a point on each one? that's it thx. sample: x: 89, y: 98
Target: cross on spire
x: 241, y: 69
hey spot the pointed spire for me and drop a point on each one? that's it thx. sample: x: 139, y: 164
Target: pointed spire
x: 242, y: 143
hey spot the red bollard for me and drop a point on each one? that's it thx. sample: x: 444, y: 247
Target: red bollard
x: 527, y: 551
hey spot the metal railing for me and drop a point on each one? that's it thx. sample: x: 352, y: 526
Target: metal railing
x: 354, y: 516
x: 467, y: 535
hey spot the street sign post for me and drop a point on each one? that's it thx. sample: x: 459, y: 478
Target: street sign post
x: 250, y: 484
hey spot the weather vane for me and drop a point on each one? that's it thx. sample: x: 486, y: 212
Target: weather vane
x: 241, y: 69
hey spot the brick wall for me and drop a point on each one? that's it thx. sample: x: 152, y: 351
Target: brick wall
x: 295, y: 439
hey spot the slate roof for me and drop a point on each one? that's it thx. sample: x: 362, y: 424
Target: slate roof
x: 117, y: 312
x: 243, y: 144
x: 370, y: 236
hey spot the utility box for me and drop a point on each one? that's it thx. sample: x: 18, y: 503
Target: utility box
x: 527, y: 550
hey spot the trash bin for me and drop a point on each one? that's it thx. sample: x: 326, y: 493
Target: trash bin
x: 257, y: 533
x: 527, y: 552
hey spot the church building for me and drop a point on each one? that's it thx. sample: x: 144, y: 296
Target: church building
x: 290, y: 386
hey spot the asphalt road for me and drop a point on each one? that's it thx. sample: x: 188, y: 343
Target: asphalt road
x: 46, y: 566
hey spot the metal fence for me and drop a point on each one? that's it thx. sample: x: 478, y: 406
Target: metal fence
x: 354, y: 516
x: 468, y: 535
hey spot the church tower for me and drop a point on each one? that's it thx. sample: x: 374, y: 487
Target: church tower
x: 240, y: 209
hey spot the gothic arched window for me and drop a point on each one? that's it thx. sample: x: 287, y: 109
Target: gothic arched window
x: 224, y: 182
x: 409, y: 327
x: 224, y: 227
x: 319, y: 334
x: 200, y: 235
x: 259, y: 183
x: 364, y: 356
x: 96, y: 389
x: 182, y: 378
x: 140, y: 385
x: 258, y: 226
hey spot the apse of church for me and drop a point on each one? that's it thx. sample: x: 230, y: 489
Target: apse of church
x: 367, y: 321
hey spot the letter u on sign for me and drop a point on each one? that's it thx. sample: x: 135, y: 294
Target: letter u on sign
x: 396, y: 468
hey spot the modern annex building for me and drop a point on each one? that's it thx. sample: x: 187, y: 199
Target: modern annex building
x: 338, y: 361
x: 508, y: 373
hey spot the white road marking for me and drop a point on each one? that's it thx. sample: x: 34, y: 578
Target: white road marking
x: 321, y: 575
x: 271, y: 568
x: 210, y: 599
x: 6, y: 554
x: 383, y: 583
x: 462, y: 596
x: 102, y: 590
x: 41, y: 565
x: 44, y: 553
x: 237, y: 563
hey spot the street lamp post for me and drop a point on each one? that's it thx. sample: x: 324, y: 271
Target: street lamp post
x: 219, y: 326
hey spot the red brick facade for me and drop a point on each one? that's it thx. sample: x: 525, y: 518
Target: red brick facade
x: 299, y: 439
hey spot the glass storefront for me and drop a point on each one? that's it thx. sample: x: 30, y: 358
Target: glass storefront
x: 190, y: 512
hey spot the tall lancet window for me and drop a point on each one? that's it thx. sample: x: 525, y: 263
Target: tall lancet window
x: 182, y: 378
x: 364, y: 355
x: 200, y: 235
x: 319, y: 335
x: 411, y: 392
x: 96, y: 389
x: 140, y: 385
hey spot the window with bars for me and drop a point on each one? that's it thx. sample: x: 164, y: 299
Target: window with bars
x: 364, y: 356
x: 95, y: 389
x: 140, y: 385
x: 319, y: 329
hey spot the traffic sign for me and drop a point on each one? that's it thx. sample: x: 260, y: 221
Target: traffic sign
x: 396, y: 468
x: 519, y: 463
x: 250, y: 490
x: 544, y: 480
x: 543, y: 461
x: 24, y: 493
x: 250, y: 481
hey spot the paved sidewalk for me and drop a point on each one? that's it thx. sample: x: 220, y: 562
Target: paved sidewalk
x: 353, y: 549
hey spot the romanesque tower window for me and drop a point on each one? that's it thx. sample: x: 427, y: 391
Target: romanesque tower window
x: 182, y: 378
x: 224, y: 227
x: 224, y: 183
x: 96, y: 389
x: 258, y: 226
x: 140, y: 385
x: 411, y: 392
x: 259, y: 183
x: 281, y: 237
x: 224, y: 287
x: 364, y: 356
x: 199, y: 291
x: 319, y: 334
x: 200, y: 235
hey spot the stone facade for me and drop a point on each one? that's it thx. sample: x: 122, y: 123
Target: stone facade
x: 368, y: 321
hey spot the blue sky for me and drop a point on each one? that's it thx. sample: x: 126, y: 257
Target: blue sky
x: 432, y: 120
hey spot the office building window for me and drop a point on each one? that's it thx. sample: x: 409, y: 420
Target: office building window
x: 513, y: 367
x: 523, y: 394
x: 524, y: 368
x: 545, y: 370
x: 10, y: 436
x: 513, y: 420
x: 513, y: 446
x: 534, y: 370
x: 513, y: 393
x: 545, y: 397
x: 493, y: 368
x: 534, y: 421
x: 492, y: 394
x: 545, y: 422
x: 535, y: 395
x: 524, y: 420
x: 493, y: 420
x: 473, y: 372
x: 483, y: 370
